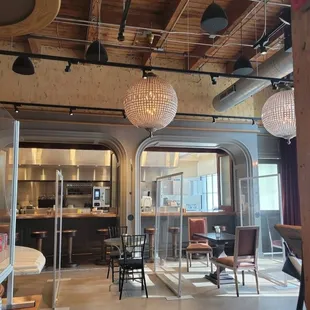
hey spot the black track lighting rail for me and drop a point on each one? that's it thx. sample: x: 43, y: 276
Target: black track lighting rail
x: 146, y: 68
x: 121, y: 112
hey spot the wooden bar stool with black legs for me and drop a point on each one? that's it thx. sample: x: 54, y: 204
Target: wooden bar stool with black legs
x: 39, y: 236
x: 104, y: 234
x: 69, y: 235
x: 150, y: 231
x: 174, y: 232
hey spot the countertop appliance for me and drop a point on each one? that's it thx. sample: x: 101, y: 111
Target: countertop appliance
x: 46, y: 201
x: 79, y: 190
x: 101, y: 198
x: 146, y: 203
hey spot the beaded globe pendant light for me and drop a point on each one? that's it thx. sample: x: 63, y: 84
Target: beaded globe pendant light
x: 151, y: 103
x: 278, y: 115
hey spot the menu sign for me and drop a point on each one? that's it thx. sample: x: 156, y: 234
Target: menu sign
x: 300, y: 5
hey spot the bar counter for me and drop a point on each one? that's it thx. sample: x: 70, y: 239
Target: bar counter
x: 65, y: 215
x: 86, y: 242
x: 188, y: 214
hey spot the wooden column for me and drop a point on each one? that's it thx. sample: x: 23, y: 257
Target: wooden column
x: 301, y: 56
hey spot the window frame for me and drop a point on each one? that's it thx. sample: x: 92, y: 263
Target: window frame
x: 231, y: 206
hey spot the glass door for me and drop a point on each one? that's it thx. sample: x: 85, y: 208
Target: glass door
x: 260, y: 205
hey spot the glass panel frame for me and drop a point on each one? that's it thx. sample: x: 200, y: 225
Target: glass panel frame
x: 164, y: 216
x: 59, y: 192
x: 250, y: 213
x: 9, y: 133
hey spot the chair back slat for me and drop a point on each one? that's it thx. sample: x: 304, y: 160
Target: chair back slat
x: 117, y: 231
x: 195, y: 226
x: 133, y: 246
x: 246, y: 245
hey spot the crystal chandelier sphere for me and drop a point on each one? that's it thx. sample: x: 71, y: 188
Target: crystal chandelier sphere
x: 151, y: 103
x: 278, y: 115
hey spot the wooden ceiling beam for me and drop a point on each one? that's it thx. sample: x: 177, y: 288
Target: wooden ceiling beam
x: 94, y: 13
x: 235, y: 13
x: 172, y: 16
x: 34, y: 46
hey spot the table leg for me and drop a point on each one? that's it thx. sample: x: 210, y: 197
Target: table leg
x: 219, y: 251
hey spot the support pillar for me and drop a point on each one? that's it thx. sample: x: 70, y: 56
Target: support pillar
x: 301, y: 57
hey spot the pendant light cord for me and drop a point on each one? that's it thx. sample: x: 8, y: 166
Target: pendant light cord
x: 241, y: 39
x: 188, y: 35
x: 98, y: 28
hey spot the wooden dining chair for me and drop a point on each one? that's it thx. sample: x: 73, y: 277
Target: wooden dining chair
x: 245, y: 255
x: 197, y: 245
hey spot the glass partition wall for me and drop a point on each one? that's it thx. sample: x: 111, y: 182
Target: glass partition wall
x: 9, y: 135
x: 260, y: 205
x: 169, y: 230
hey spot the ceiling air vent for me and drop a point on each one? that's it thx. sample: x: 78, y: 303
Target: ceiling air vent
x: 228, y: 92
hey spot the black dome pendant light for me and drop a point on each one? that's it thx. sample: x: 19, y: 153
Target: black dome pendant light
x: 214, y: 19
x: 243, y: 65
x: 23, y: 65
x: 96, y: 51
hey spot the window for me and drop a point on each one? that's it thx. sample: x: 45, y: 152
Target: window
x: 209, y: 192
x: 225, y: 180
x: 268, y: 186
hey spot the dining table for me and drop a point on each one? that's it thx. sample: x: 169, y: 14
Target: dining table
x: 219, y: 242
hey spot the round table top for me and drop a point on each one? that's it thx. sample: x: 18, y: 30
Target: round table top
x: 27, y: 261
x: 114, y: 241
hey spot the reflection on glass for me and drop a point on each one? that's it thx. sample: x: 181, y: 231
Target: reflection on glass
x: 6, y: 142
x: 200, y: 175
x: 268, y: 187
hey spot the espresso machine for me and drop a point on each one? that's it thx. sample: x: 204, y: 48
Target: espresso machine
x: 101, y: 198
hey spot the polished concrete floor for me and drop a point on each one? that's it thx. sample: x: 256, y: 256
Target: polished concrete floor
x: 88, y: 288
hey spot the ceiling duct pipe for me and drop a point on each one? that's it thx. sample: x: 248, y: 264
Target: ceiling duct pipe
x: 277, y: 66
x: 122, y: 26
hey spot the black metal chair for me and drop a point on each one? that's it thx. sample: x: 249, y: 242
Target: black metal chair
x: 131, y: 266
x: 115, y: 232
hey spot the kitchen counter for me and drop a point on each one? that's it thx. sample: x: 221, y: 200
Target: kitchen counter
x: 188, y: 214
x: 65, y: 215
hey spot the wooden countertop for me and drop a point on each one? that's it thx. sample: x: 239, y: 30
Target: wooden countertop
x: 188, y: 214
x: 20, y: 300
x: 65, y: 215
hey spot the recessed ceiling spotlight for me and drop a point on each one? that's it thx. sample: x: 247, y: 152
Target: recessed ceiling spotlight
x: 16, y: 109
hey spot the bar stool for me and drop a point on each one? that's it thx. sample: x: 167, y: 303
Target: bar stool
x: 69, y: 235
x: 174, y: 232
x: 150, y: 231
x: 39, y: 236
x: 104, y: 234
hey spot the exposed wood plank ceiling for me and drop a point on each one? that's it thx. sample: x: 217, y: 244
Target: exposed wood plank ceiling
x: 175, y: 25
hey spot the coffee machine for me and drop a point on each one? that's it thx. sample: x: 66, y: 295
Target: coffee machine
x: 101, y: 198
